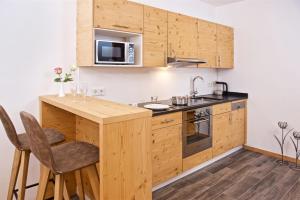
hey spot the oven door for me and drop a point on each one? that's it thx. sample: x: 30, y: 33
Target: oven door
x: 110, y: 52
x: 196, y: 135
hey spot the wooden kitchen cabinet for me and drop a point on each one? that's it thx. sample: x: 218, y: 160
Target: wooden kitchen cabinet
x: 221, y: 133
x: 166, y: 147
x: 238, y: 125
x: 207, y: 43
x: 155, y: 37
x: 120, y: 15
x: 182, y: 36
x: 225, y: 47
x: 229, y: 126
x: 166, y: 153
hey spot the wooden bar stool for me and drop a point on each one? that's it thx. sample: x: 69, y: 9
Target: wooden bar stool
x: 22, y: 153
x: 61, y: 159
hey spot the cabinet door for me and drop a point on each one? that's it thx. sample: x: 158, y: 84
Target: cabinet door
x: 207, y: 43
x: 221, y: 133
x: 155, y: 37
x: 225, y: 49
x: 238, y: 126
x: 166, y: 153
x: 182, y: 36
x: 120, y: 15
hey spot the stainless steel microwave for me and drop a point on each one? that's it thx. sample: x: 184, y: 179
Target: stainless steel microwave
x: 114, y: 53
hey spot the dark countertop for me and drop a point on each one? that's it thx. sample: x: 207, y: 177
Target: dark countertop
x: 199, y: 103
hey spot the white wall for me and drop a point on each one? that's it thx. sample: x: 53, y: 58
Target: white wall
x: 37, y: 35
x: 267, y: 65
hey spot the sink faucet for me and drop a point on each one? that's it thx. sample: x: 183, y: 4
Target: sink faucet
x: 194, y: 91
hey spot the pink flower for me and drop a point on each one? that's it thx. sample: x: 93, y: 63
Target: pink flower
x: 58, y: 70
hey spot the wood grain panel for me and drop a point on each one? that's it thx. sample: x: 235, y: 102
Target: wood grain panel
x: 120, y: 15
x: 96, y: 110
x: 166, y: 120
x: 126, y: 160
x: 84, y: 31
x: 221, y: 108
x: 59, y: 119
x: 207, y: 43
x: 225, y: 46
x: 196, y: 159
x: 238, y: 126
x: 182, y: 36
x: 166, y: 153
x: 221, y: 133
x: 155, y: 37
x: 87, y: 131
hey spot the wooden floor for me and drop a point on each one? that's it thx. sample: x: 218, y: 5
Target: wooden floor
x: 243, y: 175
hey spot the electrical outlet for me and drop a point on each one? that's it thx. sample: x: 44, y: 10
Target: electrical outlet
x: 98, y: 91
x: 211, y: 84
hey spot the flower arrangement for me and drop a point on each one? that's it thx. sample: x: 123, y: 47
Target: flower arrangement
x: 67, y: 78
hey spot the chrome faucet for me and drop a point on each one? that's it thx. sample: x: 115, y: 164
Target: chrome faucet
x: 194, y: 91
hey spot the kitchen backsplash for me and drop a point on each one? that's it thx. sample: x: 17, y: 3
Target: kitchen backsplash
x: 138, y: 85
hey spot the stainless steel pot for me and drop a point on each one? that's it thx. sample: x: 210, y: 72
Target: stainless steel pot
x: 180, y: 100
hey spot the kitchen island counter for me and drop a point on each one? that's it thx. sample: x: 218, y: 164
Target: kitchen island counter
x: 122, y: 134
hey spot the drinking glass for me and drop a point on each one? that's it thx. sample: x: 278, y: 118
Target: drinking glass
x: 73, y: 90
x: 84, y: 90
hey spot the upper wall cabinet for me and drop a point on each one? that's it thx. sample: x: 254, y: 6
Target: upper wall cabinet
x: 120, y: 15
x: 207, y: 43
x: 225, y: 46
x: 182, y: 36
x: 155, y: 37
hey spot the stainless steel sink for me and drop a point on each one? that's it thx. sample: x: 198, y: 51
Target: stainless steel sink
x: 202, y: 100
x: 209, y: 99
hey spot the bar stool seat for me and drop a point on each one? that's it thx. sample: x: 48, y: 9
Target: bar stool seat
x: 53, y: 137
x: 72, y: 156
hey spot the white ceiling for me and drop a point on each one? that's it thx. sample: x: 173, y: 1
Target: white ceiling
x: 220, y: 2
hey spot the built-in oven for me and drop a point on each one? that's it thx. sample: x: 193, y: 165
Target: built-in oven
x: 196, y: 131
x: 114, y: 53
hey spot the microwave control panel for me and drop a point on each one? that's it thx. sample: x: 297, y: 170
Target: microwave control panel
x: 131, y: 54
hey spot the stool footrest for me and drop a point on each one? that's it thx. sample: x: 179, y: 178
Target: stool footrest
x: 30, y: 186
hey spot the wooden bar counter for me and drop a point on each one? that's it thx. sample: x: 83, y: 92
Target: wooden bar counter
x: 123, y: 135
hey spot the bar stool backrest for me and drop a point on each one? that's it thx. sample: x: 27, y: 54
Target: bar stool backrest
x: 9, y: 128
x: 37, y: 140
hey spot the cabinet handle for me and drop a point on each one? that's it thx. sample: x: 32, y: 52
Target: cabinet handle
x: 120, y: 26
x: 166, y: 121
x: 219, y: 61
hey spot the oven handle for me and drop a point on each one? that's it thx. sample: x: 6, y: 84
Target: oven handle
x: 200, y: 121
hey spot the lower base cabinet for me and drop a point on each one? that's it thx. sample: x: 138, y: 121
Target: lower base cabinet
x: 229, y: 127
x: 166, y: 153
x: 228, y: 130
x: 221, y: 133
x: 238, y: 126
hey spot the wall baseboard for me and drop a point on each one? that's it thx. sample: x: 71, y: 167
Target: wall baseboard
x: 269, y: 153
x: 190, y: 171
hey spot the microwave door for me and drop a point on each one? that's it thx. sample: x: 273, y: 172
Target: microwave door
x: 109, y: 52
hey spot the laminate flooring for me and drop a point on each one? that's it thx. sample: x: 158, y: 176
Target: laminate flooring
x: 239, y: 176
